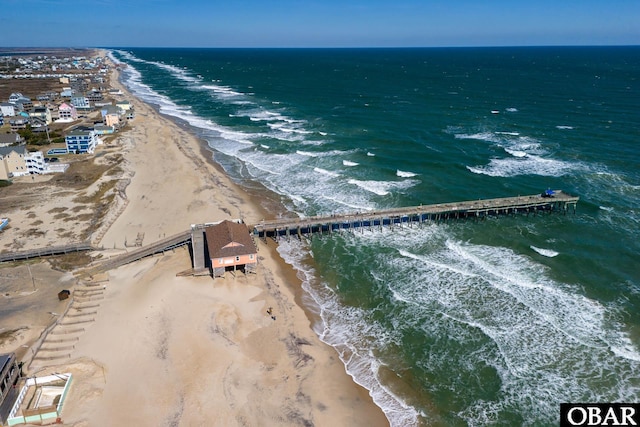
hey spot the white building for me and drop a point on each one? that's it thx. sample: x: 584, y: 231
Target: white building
x: 35, y: 162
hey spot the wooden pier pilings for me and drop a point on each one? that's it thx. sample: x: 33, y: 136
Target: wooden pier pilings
x: 558, y: 202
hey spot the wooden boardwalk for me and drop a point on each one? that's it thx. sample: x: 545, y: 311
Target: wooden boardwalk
x: 160, y: 246
x: 47, y: 251
x: 559, y: 202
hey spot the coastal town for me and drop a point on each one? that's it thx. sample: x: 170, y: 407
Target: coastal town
x: 82, y: 161
x: 71, y: 119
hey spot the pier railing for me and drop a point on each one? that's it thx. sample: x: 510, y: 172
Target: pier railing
x: 557, y: 202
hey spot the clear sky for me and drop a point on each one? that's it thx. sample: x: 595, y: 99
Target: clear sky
x: 317, y: 23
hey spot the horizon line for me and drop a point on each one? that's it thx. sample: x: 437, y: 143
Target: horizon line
x: 5, y: 48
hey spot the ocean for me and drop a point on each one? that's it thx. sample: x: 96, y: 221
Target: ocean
x: 492, y: 322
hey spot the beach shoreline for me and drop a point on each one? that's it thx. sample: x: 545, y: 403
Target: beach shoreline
x: 219, y: 353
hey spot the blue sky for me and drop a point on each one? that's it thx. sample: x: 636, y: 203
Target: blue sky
x: 317, y: 23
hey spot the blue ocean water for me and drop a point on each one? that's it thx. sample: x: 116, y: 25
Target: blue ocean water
x: 461, y: 323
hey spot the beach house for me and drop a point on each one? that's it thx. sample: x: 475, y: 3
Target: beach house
x: 111, y: 115
x: 124, y: 105
x: 10, y: 374
x: 230, y: 247
x: 7, y: 139
x: 67, y: 112
x: 7, y: 109
x: 12, y: 162
x: 42, y: 113
x: 81, y: 140
x: 81, y: 103
x: 35, y: 163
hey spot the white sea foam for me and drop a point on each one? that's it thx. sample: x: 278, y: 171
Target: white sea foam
x: 545, y: 252
x: 482, y: 136
x: 307, y: 153
x: 382, y: 188
x: 564, y: 127
x: 404, y: 174
x: 349, y: 163
x: 326, y: 172
x: 370, y: 154
x: 377, y: 187
x: 532, y: 320
x: 512, y: 110
x: 527, y: 165
x: 343, y: 335
x: 516, y: 153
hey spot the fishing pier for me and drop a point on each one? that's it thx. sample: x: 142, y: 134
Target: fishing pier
x: 550, y: 201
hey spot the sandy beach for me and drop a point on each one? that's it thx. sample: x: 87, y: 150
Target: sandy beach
x: 161, y: 349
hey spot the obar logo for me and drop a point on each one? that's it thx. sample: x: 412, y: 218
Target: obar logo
x: 599, y: 414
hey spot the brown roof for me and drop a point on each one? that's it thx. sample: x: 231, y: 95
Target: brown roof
x: 229, y: 239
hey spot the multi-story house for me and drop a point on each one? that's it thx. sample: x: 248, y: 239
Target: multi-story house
x: 7, y: 109
x: 15, y: 97
x: 42, y: 113
x: 95, y: 96
x: 24, y: 104
x: 18, y: 123
x: 103, y: 129
x: 35, y: 162
x: 12, y: 161
x: 124, y: 105
x: 111, y: 115
x: 67, y: 92
x: 81, y: 140
x: 81, y: 103
x: 10, y: 374
x: 67, y: 112
x: 230, y: 246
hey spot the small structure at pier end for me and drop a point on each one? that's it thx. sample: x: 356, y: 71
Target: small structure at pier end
x: 230, y: 247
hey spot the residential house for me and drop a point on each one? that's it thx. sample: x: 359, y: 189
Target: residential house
x: 20, y: 102
x: 7, y: 109
x: 111, y: 115
x: 67, y: 92
x: 42, y: 113
x: 47, y: 96
x: 10, y: 374
x: 7, y: 139
x: 81, y: 103
x: 24, y: 104
x: 18, y: 123
x: 124, y: 105
x: 103, y: 129
x: 80, y: 85
x: 230, y: 246
x: 15, y: 97
x: 95, y: 96
x: 12, y: 161
x: 35, y: 162
x: 67, y: 112
x: 81, y: 140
